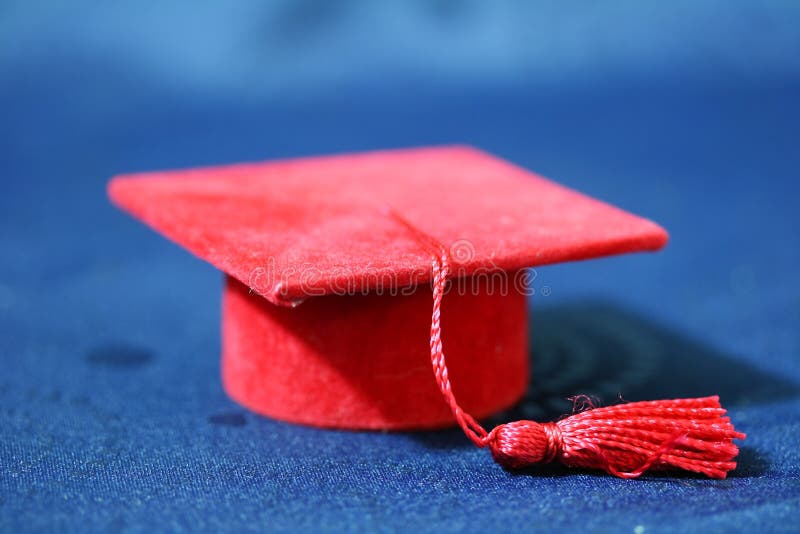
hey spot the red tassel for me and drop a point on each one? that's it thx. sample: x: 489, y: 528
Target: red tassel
x: 624, y: 440
x: 627, y: 439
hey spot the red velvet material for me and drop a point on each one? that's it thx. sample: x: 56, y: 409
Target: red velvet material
x: 363, y: 361
x: 320, y: 227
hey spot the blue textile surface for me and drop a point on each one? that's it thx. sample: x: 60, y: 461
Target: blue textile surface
x: 112, y: 416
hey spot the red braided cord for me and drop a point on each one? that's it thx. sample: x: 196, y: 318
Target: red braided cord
x: 441, y: 270
x: 468, y: 424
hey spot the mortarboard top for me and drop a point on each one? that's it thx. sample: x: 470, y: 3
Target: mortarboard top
x: 334, y: 247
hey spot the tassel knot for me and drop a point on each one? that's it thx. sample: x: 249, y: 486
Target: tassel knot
x: 524, y: 443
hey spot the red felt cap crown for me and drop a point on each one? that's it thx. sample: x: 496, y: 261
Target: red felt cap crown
x: 328, y: 227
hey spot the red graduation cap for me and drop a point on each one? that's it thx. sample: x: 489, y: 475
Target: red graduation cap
x: 332, y: 264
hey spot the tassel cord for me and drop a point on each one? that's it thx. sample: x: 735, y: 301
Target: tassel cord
x: 624, y: 440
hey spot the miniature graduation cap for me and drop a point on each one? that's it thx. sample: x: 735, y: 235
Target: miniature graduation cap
x: 333, y: 264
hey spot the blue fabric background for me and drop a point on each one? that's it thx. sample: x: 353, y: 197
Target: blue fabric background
x: 111, y: 411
